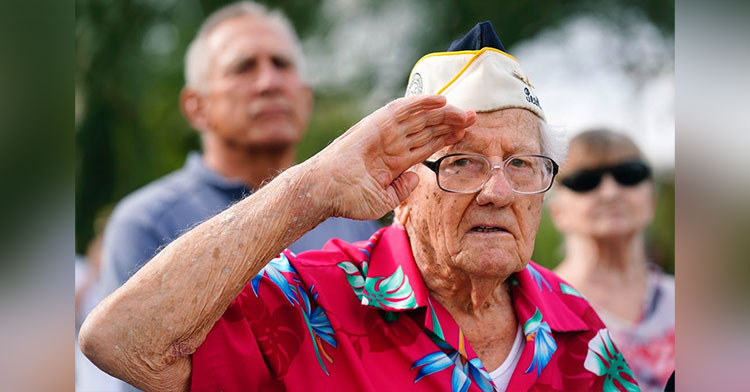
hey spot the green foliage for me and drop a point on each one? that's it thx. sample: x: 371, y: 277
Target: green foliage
x: 660, y: 236
x: 548, y: 247
x: 332, y: 116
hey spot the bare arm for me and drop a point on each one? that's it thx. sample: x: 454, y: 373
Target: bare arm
x: 146, y: 331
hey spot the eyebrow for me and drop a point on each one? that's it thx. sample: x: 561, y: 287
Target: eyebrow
x: 516, y: 147
x: 237, y: 61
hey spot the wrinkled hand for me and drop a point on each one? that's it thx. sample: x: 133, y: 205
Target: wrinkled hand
x: 364, y: 170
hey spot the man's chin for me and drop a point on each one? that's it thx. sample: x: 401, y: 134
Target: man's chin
x: 493, y: 264
x: 276, y: 141
x: 279, y: 142
x: 272, y: 145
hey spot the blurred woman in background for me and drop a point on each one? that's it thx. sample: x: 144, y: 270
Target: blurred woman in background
x: 603, y: 208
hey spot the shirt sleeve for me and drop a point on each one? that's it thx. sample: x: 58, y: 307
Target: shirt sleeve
x: 254, y: 344
x: 348, y: 230
x: 230, y: 358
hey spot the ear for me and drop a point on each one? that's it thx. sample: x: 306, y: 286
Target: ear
x: 193, y: 108
x: 401, y: 212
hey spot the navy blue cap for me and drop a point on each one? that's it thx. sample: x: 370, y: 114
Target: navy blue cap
x: 480, y: 36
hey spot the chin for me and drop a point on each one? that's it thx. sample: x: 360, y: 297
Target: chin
x: 494, y: 264
x: 274, y: 140
x: 613, y: 233
x: 274, y: 144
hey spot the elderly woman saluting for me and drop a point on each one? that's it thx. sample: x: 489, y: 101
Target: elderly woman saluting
x: 443, y: 299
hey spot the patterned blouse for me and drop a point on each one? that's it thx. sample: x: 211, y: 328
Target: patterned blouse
x: 358, y: 317
x: 648, y: 344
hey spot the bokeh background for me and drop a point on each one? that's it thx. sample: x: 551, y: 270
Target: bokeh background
x: 594, y: 63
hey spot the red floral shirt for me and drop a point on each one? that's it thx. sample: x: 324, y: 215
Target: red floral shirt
x: 358, y: 317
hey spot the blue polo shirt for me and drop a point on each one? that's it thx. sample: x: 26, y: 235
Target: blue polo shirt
x: 150, y: 218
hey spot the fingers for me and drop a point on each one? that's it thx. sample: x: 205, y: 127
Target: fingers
x: 402, y: 108
x: 422, y: 137
x: 448, y: 115
x: 413, y: 114
x: 471, y: 118
x: 436, y: 143
x: 403, y: 185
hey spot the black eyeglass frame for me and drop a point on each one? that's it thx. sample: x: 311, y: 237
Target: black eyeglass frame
x: 435, y: 167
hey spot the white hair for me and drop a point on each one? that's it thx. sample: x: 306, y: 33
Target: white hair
x: 198, y: 58
x: 554, y: 142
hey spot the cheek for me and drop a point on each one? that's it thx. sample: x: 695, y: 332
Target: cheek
x: 436, y: 214
x: 436, y: 218
x: 574, y: 212
x: 642, y: 205
x: 531, y: 217
x: 224, y: 104
x: 420, y: 204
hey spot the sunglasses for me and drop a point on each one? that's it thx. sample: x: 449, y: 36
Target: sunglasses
x: 627, y: 174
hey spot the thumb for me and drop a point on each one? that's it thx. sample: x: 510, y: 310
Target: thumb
x: 403, y: 185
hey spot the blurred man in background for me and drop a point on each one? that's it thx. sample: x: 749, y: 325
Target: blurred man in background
x: 245, y: 95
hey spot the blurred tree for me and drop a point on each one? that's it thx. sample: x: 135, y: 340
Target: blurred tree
x: 129, y: 56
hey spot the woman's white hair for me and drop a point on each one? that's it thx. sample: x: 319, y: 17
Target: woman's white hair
x: 198, y: 59
x: 554, y: 142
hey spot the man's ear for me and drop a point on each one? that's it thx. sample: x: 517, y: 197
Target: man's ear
x: 193, y: 108
x: 401, y: 212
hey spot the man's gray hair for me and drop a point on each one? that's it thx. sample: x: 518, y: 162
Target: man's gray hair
x: 554, y: 142
x: 198, y: 59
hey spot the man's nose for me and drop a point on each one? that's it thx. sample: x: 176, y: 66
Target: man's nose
x: 269, y: 78
x: 497, y: 190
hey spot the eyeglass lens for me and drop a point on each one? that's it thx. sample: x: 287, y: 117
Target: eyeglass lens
x: 626, y: 174
x: 462, y: 172
x: 467, y: 173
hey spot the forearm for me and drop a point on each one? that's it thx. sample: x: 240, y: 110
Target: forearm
x: 164, y: 312
x: 146, y: 330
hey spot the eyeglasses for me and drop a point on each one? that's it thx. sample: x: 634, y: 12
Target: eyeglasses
x: 467, y: 173
x: 627, y: 174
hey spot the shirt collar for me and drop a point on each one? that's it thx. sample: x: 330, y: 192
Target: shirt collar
x: 536, y: 289
x: 393, y: 283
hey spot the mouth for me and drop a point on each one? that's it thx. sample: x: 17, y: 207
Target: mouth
x: 272, y: 112
x: 488, y: 229
x: 269, y: 109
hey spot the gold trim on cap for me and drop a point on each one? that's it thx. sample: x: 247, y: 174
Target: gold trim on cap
x: 474, y: 52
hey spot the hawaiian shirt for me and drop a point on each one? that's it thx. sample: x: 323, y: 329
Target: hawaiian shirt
x: 358, y: 317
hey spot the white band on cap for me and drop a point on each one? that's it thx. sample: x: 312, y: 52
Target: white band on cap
x: 480, y: 80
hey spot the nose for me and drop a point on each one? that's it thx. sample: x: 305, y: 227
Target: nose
x: 608, y: 188
x: 269, y: 78
x: 497, y: 190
